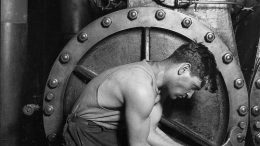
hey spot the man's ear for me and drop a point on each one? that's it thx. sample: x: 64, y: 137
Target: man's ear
x: 184, y: 68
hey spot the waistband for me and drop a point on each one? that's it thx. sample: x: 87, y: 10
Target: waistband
x: 75, y: 119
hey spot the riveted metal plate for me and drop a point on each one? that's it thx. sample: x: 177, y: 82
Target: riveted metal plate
x: 254, y: 105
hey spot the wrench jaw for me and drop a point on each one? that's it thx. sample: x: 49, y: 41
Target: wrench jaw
x: 236, y: 137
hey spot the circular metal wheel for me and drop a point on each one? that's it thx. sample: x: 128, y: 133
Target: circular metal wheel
x: 151, y: 33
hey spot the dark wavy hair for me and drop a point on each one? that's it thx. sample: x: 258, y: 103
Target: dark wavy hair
x: 203, y: 64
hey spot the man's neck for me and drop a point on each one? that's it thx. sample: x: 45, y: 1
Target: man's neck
x: 158, y: 70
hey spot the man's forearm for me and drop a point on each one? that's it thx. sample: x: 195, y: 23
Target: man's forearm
x: 159, y: 138
x: 139, y: 144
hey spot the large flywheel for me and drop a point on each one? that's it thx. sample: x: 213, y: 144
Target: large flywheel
x: 151, y: 33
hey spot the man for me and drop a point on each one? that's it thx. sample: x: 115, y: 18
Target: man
x: 125, y: 100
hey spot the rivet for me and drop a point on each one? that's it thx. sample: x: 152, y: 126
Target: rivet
x: 255, y: 110
x: 257, y: 137
x: 242, y: 110
x: 186, y: 22
x: 257, y: 83
x: 257, y: 125
x: 65, y: 57
x: 160, y: 14
x: 82, y: 37
x: 242, y: 125
x: 28, y: 109
x: 239, y: 83
x: 52, y: 137
x: 48, y: 110
x: 53, y: 83
x: 209, y: 37
x: 106, y: 22
x: 132, y: 14
x: 240, y: 137
x: 227, y: 58
x: 49, y: 96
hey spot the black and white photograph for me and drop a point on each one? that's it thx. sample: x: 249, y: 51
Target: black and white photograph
x: 130, y: 73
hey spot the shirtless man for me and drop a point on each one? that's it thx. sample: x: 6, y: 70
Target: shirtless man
x: 128, y: 97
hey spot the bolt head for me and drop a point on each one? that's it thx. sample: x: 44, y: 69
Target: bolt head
x: 48, y: 110
x: 242, y: 125
x: 160, y: 15
x: 209, y: 37
x: 257, y: 137
x: 242, y: 110
x: 82, y: 37
x: 49, y: 96
x: 240, y: 137
x: 132, y: 14
x: 239, y: 83
x: 227, y: 58
x: 257, y: 83
x: 28, y: 110
x: 51, y: 137
x: 255, y: 110
x: 186, y: 22
x: 53, y: 83
x: 64, y: 58
x: 257, y: 125
x: 106, y: 22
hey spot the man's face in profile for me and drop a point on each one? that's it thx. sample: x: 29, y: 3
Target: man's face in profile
x: 180, y: 82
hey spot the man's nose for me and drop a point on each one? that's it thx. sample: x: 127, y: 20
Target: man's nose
x: 189, y: 94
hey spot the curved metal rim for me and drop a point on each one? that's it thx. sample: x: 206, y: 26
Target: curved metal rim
x: 146, y: 18
x: 254, y: 101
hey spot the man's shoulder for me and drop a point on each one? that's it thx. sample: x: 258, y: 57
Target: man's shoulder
x: 134, y: 72
x: 136, y: 80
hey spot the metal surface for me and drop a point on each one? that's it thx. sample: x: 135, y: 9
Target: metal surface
x: 65, y: 57
x: 75, y: 14
x: 160, y: 15
x: 190, y: 2
x: 82, y: 37
x: 186, y: 22
x: 209, y: 37
x: 106, y: 22
x: 103, y: 43
x: 215, y: 16
x: 147, y: 43
x: 247, y: 38
x: 49, y: 96
x: 254, y: 104
x: 53, y: 83
x: 132, y: 15
x: 227, y: 58
x: 239, y: 83
x: 13, y: 59
x: 234, y: 136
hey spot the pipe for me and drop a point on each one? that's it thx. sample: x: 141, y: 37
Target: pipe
x: 12, y: 69
x: 75, y: 14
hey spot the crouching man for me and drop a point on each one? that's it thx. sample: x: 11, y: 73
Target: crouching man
x: 125, y: 101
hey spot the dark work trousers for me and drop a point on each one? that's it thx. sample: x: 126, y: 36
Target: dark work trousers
x: 80, y: 132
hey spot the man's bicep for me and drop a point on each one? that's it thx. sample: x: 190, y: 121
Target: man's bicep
x: 139, y: 104
x: 137, y: 126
